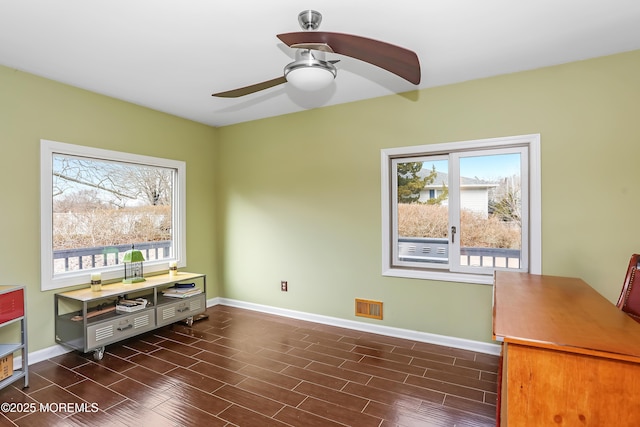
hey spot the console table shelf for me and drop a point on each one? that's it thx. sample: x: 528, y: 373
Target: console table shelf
x: 80, y: 325
x: 13, y: 309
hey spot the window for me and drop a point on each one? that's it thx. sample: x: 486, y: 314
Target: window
x: 459, y: 211
x: 96, y: 204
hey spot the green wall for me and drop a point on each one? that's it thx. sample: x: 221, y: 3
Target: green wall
x: 32, y: 108
x: 299, y: 195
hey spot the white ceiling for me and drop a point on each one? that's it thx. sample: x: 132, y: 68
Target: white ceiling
x: 171, y: 55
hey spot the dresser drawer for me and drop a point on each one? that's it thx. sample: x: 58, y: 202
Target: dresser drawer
x: 171, y: 312
x: 120, y: 327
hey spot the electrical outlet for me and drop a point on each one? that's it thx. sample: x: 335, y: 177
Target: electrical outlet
x: 283, y: 286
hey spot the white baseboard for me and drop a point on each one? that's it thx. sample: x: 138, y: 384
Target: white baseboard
x: 40, y: 355
x: 213, y: 301
x: 480, y: 347
x: 47, y: 353
x: 461, y: 343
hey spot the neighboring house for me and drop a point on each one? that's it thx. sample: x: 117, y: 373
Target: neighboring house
x: 474, y: 192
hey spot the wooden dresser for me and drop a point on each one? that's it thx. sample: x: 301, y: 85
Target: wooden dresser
x: 570, y: 357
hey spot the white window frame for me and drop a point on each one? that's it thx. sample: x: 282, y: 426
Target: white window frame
x: 533, y: 234
x: 47, y: 150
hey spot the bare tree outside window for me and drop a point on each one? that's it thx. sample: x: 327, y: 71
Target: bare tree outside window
x: 106, y: 204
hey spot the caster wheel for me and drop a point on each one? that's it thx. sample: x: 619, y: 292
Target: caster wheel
x: 189, y: 321
x: 98, y: 354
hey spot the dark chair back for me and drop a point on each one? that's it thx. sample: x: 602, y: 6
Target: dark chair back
x: 629, y: 300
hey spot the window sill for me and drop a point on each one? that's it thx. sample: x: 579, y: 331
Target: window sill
x: 109, y: 274
x: 480, y: 279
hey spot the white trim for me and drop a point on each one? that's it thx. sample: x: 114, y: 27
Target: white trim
x: 535, y: 206
x: 213, y: 301
x: 461, y: 343
x: 41, y: 355
x: 447, y: 147
x: 445, y: 276
x: 47, y: 150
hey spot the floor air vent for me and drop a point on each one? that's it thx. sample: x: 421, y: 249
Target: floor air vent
x: 368, y: 308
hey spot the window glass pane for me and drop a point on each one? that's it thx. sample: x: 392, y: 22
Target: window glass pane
x: 458, y: 211
x: 491, y: 211
x: 422, y: 211
x: 101, y: 208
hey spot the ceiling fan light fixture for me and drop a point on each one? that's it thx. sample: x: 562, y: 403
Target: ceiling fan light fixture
x: 308, y: 72
x: 311, y: 71
x: 310, y: 77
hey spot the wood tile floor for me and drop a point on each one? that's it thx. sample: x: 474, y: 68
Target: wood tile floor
x: 244, y: 368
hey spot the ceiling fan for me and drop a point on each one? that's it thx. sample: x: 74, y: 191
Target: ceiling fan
x: 311, y: 70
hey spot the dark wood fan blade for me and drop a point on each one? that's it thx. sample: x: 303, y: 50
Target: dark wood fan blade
x: 235, y: 93
x: 395, y: 59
